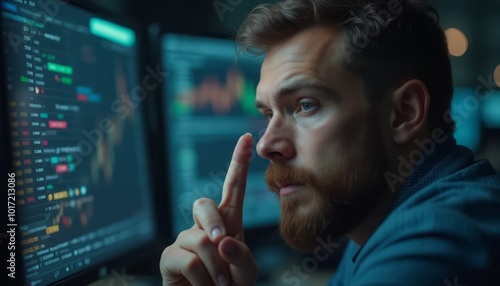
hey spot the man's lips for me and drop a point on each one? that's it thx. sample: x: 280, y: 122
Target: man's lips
x: 288, y: 188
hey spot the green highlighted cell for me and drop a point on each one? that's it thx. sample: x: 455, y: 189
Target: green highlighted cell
x: 60, y: 116
x: 69, y: 158
x: 50, y: 187
x: 24, y: 79
x: 54, y: 160
x: 59, y: 68
x: 49, y: 57
x: 248, y: 98
x: 44, y: 115
x: 71, y: 167
x: 112, y: 32
x: 66, y: 80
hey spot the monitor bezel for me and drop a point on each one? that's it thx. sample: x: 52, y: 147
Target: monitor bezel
x: 142, y: 252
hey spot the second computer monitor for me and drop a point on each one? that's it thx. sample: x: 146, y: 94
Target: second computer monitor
x: 209, y: 102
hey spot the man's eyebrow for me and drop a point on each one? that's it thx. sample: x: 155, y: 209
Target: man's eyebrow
x: 293, y: 84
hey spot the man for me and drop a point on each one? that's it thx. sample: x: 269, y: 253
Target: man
x: 360, y: 143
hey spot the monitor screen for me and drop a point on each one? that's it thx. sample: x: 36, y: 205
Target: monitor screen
x: 209, y: 103
x: 80, y: 166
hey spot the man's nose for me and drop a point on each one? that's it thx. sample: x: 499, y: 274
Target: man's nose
x: 276, y: 143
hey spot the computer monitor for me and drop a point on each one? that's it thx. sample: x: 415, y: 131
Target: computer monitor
x: 209, y: 102
x: 80, y: 194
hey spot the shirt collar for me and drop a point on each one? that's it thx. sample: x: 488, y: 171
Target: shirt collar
x: 414, y: 181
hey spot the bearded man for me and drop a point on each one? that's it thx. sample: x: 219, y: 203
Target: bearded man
x: 360, y: 143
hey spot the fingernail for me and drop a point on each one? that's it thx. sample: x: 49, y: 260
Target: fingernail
x: 216, y: 232
x: 222, y: 280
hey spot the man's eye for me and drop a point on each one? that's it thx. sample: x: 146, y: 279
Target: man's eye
x: 306, y: 106
x: 268, y: 115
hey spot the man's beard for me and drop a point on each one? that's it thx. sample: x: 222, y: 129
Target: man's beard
x: 333, y: 203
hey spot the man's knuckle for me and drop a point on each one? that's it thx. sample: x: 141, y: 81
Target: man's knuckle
x: 203, y: 242
x: 166, y: 252
x: 202, y: 202
x: 194, y: 264
x: 183, y: 234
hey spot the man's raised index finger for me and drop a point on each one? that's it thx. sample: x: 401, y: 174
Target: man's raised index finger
x: 233, y: 191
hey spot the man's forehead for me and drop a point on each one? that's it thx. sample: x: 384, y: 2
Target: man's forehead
x: 310, y: 41
x: 304, y: 52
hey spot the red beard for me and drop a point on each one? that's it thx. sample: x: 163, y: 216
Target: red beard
x: 332, y: 204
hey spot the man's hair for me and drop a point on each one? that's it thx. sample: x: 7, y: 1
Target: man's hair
x: 385, y: 42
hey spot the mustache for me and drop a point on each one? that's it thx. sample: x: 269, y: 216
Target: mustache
x: 278, y: 174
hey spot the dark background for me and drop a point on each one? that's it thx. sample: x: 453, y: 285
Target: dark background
x: 479, y: 20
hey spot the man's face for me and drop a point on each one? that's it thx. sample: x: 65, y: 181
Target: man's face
x: 321, y: 139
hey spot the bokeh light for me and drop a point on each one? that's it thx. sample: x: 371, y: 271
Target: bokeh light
x: 457, y: 42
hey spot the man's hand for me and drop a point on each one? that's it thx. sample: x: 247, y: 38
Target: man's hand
x: 213, y: 252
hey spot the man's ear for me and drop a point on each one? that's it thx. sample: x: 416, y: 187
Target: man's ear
x: 409, y: 112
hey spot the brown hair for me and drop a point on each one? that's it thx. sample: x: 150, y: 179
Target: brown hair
x: 398, y: 39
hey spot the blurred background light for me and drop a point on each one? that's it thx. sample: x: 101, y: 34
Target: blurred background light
x: 457, y: 42
x: 496, y: 75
